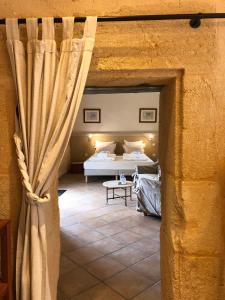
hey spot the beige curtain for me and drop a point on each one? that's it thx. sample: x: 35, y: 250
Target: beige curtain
x: 49, y: 86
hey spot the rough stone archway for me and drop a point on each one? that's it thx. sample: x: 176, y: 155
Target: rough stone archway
x: 184, y: 256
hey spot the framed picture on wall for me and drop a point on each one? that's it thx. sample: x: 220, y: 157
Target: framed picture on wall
x: 92, y: 115
x: 147, y: 115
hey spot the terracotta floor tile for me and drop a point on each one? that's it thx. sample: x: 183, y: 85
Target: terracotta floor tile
x: 118, y: 215
x: 76, y: 281
x: 110, y: 229
x: 104, y: 267
x: 126, y: 237
x: 128, y: 222
x: 147, y: 245
x: 128, y: 283
x: 128, y: 255
x: 69, y: 243
x: 94, y: 223
x: 99, y: 292
x: 68, y: 220
x: 76, y: 229
x: 149, y: 267
x: 107, y: 245
x: 84, y: 255
x: 146, y: 231
x: 152, y: 293
x: 89, y: 236
x: 66, y: 265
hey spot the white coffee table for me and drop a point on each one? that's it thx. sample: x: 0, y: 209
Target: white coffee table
x: 115, y: 185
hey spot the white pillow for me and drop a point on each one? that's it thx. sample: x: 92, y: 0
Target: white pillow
x: 134, y: 144
x: 108, y: 148
x: 129, y: 149
x: 102, y: 144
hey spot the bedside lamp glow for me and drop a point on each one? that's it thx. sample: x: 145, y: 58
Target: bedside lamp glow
x: 90, y: 137
x: 151, y: 136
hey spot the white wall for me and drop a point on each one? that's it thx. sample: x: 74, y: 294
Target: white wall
x: 119, y: 112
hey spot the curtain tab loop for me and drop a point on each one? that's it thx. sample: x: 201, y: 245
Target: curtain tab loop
x: 90, y: 27
x: 12, y: 29
x: 32, y: 28
x: 48, y: 29
x: 68, y: 24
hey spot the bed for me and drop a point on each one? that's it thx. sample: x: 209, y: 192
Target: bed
x: 113, y: 167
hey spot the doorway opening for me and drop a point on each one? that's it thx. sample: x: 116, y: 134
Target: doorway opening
x: 113, y: 250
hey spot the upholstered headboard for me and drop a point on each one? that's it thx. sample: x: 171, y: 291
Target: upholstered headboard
x: 82, y: 146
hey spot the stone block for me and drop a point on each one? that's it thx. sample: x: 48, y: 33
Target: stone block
x: 203, y: 226
x: 169, y: 261
x: 172, y: 211
x: 170, y: 129
x: 5, y: 202
x: 199, y: 157
x: 200, y: 278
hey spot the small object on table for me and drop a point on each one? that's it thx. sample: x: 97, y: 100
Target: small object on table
x: 115, y: 185
x: 122, y: 179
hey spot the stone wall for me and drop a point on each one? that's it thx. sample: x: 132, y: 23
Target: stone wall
x: 193, y: 188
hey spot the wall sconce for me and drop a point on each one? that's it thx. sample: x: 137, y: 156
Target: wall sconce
x: 90, y: 137
x: 151, y: 137
x: 91, y: 140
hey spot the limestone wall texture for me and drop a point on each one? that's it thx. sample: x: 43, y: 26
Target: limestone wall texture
x: 191, y: 62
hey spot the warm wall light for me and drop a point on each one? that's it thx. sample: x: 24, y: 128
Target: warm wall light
x: 151, y: 136
x: 90, y: 137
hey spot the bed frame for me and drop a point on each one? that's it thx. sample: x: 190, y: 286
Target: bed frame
x: 106, y: 172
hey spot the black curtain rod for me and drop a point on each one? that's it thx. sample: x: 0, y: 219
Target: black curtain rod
x: 195, y: 19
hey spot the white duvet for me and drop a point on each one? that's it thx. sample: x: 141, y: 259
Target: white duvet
x: 136, y: 156
x: 102, y: 157
x: 118, y: 163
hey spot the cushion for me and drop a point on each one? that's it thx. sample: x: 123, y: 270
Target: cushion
x: 129, y: 149
x: 108, y: 148
x: 101, y: 144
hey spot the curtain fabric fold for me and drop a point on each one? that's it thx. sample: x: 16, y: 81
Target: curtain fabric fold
x: 49, y: 86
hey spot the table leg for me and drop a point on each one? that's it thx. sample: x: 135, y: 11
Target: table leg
x: 131, y: 193
x: 125, y: 196
x: 113, y: 193
x: 107, y: 195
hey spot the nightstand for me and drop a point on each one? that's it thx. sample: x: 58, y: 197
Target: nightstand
x: 77, y: 167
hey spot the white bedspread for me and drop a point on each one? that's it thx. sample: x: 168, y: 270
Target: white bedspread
x: 102, y: 157
x: 136, y: 156
x: 117, y: 164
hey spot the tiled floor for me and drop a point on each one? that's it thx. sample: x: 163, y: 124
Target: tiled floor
x: 109, y: 252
